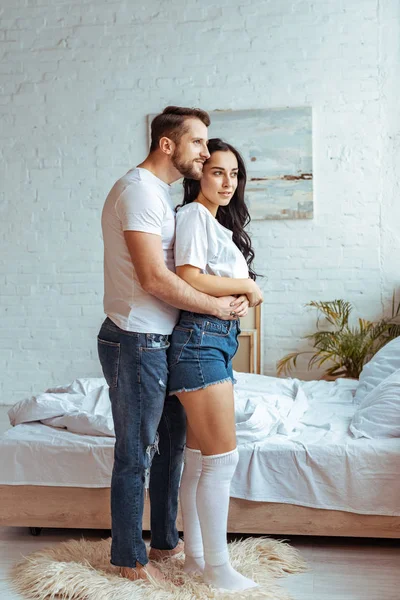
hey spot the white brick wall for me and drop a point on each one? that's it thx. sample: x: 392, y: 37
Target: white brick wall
x: 76, y: 82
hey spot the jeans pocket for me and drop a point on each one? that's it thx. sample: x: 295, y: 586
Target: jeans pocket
x: 109, y: 353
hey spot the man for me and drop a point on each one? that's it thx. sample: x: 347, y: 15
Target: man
x: 142, y: 300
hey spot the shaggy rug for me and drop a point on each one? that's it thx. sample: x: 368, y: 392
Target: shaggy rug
x: 80, y: 570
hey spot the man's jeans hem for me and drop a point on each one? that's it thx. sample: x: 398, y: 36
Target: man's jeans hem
x: 143, y: 563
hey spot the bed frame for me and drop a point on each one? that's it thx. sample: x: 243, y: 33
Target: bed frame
x: 89, y: 508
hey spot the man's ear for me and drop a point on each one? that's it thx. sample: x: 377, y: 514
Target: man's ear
x: 166, y: 145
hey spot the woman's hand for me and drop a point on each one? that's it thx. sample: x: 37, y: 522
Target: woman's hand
x: 240, y: 306
x: 254, y: 294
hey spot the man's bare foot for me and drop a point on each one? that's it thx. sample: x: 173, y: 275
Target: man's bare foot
x: 147, y: 572
x: 158, y: 555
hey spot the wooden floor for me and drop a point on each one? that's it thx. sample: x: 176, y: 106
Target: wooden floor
x: 340, y: 568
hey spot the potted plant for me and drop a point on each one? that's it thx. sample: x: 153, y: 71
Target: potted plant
x: 347, y: 347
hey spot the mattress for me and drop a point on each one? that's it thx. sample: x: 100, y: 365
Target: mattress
x: 293, y: 438
x: 320, y: 464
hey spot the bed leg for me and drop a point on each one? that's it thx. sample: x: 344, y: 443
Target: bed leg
x: 35, y: 530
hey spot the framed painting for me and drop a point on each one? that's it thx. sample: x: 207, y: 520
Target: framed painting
x: 276, y: 144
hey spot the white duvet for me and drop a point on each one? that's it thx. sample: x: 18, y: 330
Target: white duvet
x: 81, y: 407
x: 84, y: 407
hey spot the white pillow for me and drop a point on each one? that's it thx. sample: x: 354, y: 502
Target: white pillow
x: 378, y: 368
x: 378, y: 415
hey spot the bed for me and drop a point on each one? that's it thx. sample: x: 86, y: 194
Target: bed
x: 300, y: 472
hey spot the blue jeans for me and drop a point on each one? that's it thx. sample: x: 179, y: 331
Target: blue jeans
x: 201, y: 352
x: 150, y: 432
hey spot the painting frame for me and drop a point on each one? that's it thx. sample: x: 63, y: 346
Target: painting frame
x: 276, y: 145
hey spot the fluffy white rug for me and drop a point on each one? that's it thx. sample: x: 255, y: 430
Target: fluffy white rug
x: 80, y: 570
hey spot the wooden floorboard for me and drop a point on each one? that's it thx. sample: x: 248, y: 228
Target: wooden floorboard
x: 340, y: 569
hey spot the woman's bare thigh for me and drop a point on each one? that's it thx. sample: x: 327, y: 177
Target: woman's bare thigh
x: 191, y: 440
x: 210, y: 414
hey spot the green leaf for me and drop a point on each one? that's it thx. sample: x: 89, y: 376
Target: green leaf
x: 347, y: 347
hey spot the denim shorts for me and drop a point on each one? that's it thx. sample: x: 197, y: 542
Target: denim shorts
x: 201, y: 351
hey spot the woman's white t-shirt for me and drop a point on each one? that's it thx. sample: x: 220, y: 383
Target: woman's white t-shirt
x: 201, y: 241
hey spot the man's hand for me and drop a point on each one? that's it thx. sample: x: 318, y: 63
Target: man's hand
x: 230, y: 308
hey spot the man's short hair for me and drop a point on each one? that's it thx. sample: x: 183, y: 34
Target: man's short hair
x: 171, y: 123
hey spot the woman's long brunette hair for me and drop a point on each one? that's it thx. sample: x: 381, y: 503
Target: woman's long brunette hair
x: 235, y: 215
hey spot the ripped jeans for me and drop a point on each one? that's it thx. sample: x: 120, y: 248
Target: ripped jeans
x: 150, y: 432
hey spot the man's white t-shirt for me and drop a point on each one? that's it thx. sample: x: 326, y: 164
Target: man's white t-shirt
x: 201, y: 241
x: 139, y: 201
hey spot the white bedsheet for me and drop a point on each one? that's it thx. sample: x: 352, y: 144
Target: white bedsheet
x: 293, y: 438
x: 320, y: 464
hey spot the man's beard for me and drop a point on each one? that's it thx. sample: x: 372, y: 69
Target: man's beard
x: 187, y: 168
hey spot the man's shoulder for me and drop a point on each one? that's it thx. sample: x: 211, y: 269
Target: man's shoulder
x: 122, y: 184
x: 132, y: 182
x: 133, y: 186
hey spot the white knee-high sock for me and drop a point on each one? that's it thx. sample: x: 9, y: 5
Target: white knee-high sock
x: 194, y: 557
x: 212, y: 506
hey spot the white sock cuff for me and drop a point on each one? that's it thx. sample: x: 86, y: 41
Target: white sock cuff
x: 192, y: 455
x: 227, y: 458
x: 192, y: 450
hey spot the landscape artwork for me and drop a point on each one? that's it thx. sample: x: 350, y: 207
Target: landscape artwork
x: 276, y: 145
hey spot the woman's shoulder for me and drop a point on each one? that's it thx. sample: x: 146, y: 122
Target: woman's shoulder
x: 195, y: 221
x: 194, y: 207
x: 194, y: 212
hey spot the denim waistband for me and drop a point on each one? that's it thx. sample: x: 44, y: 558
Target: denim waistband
x: 111, y: 326
x: 201, y: 318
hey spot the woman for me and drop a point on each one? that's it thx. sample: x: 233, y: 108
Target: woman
x: 214, y: 255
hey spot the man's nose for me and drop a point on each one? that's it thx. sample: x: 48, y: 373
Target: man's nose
x: 205, y: 153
